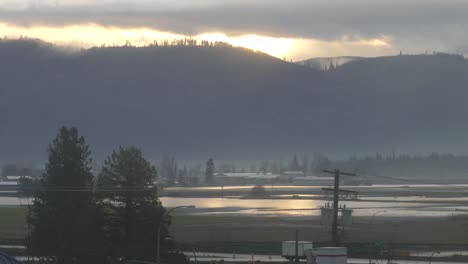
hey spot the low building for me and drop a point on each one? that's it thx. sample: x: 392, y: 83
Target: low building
x: 245, y: 178
x: 12, y: 178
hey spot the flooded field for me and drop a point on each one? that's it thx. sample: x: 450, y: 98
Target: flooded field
x: 413, y: 200
x: 293, y: 207
x: 418, y: 200
x: 298, y: 187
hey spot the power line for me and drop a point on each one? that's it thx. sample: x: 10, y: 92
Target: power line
x: 420, y: 181
x: 87, y: 189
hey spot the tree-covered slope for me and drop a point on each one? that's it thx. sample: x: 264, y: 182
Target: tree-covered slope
x: 165, y: 99
x: 221, y: 101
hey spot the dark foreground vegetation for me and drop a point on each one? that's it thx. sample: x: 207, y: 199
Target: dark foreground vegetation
x: 386, y: 238
x: 78, y: 218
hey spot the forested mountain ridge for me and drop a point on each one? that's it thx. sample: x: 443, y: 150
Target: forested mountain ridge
x: 415, y: 101
x: 165, y: 99
x: 229, y: 102
x: 326, y: 63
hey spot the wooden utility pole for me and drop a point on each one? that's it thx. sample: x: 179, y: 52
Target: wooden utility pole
x: 336, y: 197
x: 297, y: 247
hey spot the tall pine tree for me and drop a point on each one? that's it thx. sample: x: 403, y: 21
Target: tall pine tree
x: 61, y: 217
x: 131, y: 208
x: 209, y: 172
x: 294, y: 164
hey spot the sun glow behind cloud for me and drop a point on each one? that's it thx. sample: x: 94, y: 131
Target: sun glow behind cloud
x: 94, y: 35
x: 277, y: 47
x: 346, y: 46
x: 88, y: 35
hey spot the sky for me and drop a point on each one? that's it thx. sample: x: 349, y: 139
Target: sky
x: 293, y: 29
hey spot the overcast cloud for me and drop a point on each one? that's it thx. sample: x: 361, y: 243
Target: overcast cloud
x: 414, y: 25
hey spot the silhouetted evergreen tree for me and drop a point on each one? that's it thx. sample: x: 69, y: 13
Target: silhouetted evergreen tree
x: 62, y: 216
x: 294, y: 165
x: 209, y: 172
x: 304, y: 164
x: 131, y: 208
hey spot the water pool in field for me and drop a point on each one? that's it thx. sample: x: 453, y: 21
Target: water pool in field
x: 419, y: 200
x: 302, y: 207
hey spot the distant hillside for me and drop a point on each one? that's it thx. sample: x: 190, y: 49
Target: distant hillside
x: 177, y: 99
x: 326, y: 63
x: 194, y: 101
x: 414, y: 102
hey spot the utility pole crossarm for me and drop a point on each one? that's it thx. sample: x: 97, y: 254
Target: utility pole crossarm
x: 348, y: 174
x: 340, y: 172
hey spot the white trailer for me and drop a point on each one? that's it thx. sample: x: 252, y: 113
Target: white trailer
x: 331, y: 255
x: 289, y: 249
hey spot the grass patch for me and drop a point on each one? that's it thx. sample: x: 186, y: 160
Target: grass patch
x: 13, y: 224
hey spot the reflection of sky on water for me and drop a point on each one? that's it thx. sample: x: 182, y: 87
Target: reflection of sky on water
x: 14, y: 201
x: 243, y: 187
x: 298, y: 207
x: 294, y: 207
x: 296, y: 195
x: 293, y: 187
x: 8, y: 183
x: 301, y: 205
x: 441, y: 254
x: 243, y: 203
x: 415, y: 199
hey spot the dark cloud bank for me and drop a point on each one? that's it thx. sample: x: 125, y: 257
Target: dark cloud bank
x: 414, y: 25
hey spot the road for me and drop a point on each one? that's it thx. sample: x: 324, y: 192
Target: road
x: 232, y: 257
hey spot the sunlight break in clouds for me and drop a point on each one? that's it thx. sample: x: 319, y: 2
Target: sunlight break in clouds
x: 346, y: 46
x: 294, y: 29
x: 88, y: 35
x: 94, y: 35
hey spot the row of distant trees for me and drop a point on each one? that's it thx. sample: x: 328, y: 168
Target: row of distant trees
x: 76, y: 217
x: 172, y: 173
x: 183, y: 42
x: 392, y: 164
x: 303, y: 164
x: 186, y: 41
x: 190, y: 42
x: 405, y: 165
